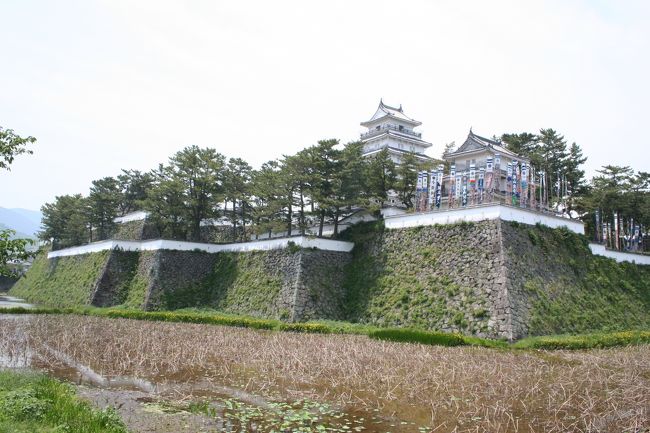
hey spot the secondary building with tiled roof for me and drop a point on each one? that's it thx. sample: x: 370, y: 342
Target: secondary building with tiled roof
x: 472, y: 157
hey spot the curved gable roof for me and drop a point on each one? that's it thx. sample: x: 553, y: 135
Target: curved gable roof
x: 476, y: 142
x: 386, y: 110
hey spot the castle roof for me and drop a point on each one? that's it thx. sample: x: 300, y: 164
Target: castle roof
x: 475, y: 142
x: 386, y: 110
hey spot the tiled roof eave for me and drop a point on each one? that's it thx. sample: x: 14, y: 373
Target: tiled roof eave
x: 407, y: 137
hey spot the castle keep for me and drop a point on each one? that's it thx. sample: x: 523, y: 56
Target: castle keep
x: 472, y: 260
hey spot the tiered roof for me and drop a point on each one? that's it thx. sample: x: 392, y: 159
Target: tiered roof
x: 385, y: 110
x: 475, y: 143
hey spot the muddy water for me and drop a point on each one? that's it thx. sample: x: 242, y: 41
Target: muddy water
x: 193, y: 404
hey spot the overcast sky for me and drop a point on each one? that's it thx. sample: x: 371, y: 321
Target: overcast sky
x: 105, y: 85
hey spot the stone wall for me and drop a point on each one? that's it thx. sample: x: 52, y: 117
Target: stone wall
x: 289, y: 284
x: 135, y: 231
x: 447, y: 278
x: 319, y: 291
x: 6, y: 283
x: 491, y: 278
x: 222, y: 234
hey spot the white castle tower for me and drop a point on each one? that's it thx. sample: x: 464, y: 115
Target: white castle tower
x: 390, y: 128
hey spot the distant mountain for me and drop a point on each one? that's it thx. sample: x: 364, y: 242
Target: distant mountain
x: 25, y: 221
x: 17, y: 235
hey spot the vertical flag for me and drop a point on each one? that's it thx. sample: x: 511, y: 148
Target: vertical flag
x: 432, y: 190
x: 464, y: 193
x: 497, y: 173
x: 516, y: 187
x: 533, y: 186
x: 472, y: 183
x: 452, y: 185
x: 441, y: 169
x: 481, y: 184
x: 597, y: 215
x: 425, y: 192
x: 524, y: 185
x: 489, y: 173
x: 509, y: 182
x: 418, y: 192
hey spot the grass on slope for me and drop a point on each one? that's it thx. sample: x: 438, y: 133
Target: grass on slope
x: 393, y: 280
x: 72, y: 277
x: 31, y: 402
x: 598, y: 294
x: 238, y: 283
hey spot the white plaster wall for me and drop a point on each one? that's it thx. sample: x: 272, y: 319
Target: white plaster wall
x: 620, y: 256
x: 480, y: 213
x: 153, y: 245
x: 133, y: 216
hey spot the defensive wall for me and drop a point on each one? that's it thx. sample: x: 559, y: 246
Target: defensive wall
x: 493, y: 271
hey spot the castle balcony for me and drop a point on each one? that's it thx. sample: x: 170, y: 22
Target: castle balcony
x: 382, y: 129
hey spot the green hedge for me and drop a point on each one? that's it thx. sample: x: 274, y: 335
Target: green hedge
x: 585, y: 341
x: 406, y: 335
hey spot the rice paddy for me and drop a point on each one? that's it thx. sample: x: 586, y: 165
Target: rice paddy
x: 257, y: 380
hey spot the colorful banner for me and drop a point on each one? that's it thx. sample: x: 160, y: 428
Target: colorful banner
x: 489, y: 174
x: 464, y: 193
x: 481, y: 184
x: 439, y: 186
x: 433, y: 185
x: 524, y: 185
x: 452, y: 185
x: 418, y: 192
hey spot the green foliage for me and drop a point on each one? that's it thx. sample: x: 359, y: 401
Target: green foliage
x: 292, y: 248
x: 65, y: 221
x: 186, y: 191
x: 585, y: 341
x: 621, y: 191
x: 406, y: 335
x: 32, y: 402
x: 548, y: 152
x: 380, y: 176
x: 588, y: 292
x: 238, y: 283
x: 61, y: 282
x: 392, y: 280
x: 12, y: 145
x: 310, y: 328
x: 102, y: 207
x: 12, y: 250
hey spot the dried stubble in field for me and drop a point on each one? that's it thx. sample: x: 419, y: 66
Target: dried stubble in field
x: 454, y: 389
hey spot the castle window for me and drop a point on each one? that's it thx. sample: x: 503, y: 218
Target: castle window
x: 401, y: 128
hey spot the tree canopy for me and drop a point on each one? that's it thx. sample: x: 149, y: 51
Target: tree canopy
x: 12, y: 250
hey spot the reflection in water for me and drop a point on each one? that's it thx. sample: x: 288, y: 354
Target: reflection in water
x: 232, y: 408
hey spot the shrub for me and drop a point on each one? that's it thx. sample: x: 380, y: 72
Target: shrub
x: 23, y: 404
x: 407, y: 335
x: 312, y: 328
x: 292, y: 247
x: 585, y: 341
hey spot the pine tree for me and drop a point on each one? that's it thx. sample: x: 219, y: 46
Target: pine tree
x: 380, y: 176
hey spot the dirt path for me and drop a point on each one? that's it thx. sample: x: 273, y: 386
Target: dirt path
x: 146, y: 413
